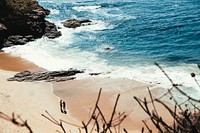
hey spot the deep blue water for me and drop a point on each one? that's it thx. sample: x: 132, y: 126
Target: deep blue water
x: 138, y: 34
x: 166, y: 31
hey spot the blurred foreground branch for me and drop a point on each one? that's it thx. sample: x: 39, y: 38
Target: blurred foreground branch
x: 16, y: 120
x: 97, y: 120
x: 185, y: 120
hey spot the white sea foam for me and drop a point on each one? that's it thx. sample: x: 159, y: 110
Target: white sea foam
x: 86, y: 8
x: 51, y: 55
x: 55, y: 54
x: 153, y: 75
x: 54, y: 11
x: 106, y: 12
x: 46, y: 54
x: 95, y: 26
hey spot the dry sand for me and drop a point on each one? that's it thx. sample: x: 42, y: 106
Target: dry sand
x: 31, y: 99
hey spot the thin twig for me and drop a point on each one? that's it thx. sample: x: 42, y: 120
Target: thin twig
x: 182, y: 92
x: 152, y: 101
x: 97, y: 101
x: 13, y: 119
x: 150, y: 131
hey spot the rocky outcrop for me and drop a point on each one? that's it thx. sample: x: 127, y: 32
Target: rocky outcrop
x: 74, y: 23
x: 94, y: 74
x: 49, y: 76
x: 22, y: 21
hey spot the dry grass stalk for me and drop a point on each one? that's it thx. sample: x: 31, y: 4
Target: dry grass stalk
x: 16, y: 120
x: 97, y: 120
x: 185, y: 120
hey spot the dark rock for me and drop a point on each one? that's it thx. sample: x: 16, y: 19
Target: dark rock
x: 26, y: 22
x: 85, y: 21
x: 107, y: 48
x: 74, y: 23
x: 23, y: 74
x: 192, y: 74
x: 2, y: 27
x: 57, y: 76
x: 62, y: 79
x: 94, y: 74
x: 51, y: 30
x: 198, y: 65
x: 70, y: 72
x: 11, y: 79
x: 71, y: 78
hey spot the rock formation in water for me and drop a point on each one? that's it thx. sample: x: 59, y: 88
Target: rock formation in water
x: 22, y: 21
x: 74, y: 23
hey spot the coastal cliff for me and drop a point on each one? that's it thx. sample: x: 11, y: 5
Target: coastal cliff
x: 22, y: 21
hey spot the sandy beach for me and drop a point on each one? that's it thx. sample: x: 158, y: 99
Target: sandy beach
x: 27, y: 99
x: 81, y: 96
x: 31, y: 99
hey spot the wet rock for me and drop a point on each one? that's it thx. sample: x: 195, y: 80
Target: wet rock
x: 94, y: 74
x: 107, y: 48
x: 62, y: 79
x: 11, y: 79
x: 48, y: 76
x: 192, y: 74
x: 51, y: 31
x: 74, y: 23
x: 85, y: 21
x: 23, y: 74
x: 198, y: 65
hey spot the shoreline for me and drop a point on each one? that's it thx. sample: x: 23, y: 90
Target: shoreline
x: 80, y: 96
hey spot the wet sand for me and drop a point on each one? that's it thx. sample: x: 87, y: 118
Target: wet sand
x: 13, y: 63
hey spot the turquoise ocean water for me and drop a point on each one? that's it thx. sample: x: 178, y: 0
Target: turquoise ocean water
x: 138, y: 34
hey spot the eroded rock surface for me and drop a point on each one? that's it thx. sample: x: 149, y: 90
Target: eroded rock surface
x: 48, y: 76
x: 22, y: 21
x: 74, y: 23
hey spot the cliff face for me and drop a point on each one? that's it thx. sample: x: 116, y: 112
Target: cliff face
x: 22, y: 21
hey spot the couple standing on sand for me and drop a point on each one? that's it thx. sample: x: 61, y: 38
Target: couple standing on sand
x: 63, y: 107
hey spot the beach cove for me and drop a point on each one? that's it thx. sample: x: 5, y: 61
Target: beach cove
x: 129, y: 51
x: 31, y: 99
